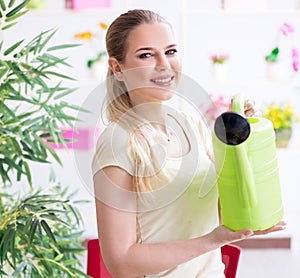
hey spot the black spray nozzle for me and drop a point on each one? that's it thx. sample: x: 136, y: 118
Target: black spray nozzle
x: 231, y: 128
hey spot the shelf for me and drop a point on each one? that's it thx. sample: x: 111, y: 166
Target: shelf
x: 69, y: 12
x: 294, y: 83
x: 266, y: 12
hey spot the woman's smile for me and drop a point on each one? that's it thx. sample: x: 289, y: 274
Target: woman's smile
x: 165, y: 80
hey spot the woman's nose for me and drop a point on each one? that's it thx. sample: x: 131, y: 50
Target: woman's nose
x: 162, y: 62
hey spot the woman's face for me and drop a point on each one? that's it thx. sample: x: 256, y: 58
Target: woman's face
x: 152, y: 65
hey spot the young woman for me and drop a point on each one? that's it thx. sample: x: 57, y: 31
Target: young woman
x: 154, y: 179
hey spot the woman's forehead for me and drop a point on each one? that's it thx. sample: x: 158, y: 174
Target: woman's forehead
x: 153, y: 35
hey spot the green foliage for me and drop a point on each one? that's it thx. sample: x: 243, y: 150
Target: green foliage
x: 36, y: 109
x: 40, y: 232
x: 273, y: 56
x: 40, y: 235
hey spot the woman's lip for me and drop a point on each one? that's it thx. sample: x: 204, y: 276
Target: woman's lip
x: 163, y: 80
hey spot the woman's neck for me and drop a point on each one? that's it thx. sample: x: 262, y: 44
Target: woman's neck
x: 152, y: 112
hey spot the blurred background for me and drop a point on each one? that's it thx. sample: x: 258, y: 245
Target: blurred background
x: 227, y: 47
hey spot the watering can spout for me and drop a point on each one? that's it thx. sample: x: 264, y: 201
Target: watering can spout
x: 233, y: 128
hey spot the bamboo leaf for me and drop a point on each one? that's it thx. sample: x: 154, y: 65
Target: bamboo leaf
x: 33, y: 227
x: 12, y: 246
x: 42, y: 45
x: 6, y: 111
x: 28, y: 173
x: 55, y: 218
x: 11, y: 3
x: 9, y: 26
x: 18, y: 8
x: 62, y: 46
x: 59, y: 257
x: 50, y: 149
x: 48, y: 231
x: 2, y: 5
x: 65, y: 93
x: 59, y: 75
x: 14, y: 17
x: 19, y: 174
x: 20, y: 269
x: 12, y: 48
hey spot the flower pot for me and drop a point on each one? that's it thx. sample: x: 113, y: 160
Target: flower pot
x: 219, y: 72
x: 275, y: 71
x: 283, y: 137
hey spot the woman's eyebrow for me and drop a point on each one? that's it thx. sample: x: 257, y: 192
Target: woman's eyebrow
x: 152, y: 48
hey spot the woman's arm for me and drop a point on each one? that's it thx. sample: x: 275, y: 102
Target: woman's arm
x: 125, y: 257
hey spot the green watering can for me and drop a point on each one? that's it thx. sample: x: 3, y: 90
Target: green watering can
x: 247, y: 169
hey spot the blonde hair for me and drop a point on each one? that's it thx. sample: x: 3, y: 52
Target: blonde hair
x: 119, y: 107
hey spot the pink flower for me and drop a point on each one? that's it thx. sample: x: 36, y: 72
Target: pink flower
x: 286, y: 29
x: 217, y: 107
x: 295, y: 59
x: 219, y: 58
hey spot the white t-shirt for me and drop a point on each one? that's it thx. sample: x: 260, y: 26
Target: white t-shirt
x: 184, y: 208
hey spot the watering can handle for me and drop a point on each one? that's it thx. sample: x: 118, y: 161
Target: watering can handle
x: 244, y: 169
x: 238, y: 103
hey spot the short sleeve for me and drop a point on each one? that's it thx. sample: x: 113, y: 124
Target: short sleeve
x: 112, y: 149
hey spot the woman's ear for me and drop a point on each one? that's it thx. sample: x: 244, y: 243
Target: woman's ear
x: 116, y: 68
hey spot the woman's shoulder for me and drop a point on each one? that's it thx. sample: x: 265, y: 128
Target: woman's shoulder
x: 113, y: 149
x: 113, y: 133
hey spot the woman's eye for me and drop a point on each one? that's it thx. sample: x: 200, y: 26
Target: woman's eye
x: 145, y: 55
x: 171, y: 51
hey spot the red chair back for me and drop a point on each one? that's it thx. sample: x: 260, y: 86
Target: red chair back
x: 230, y: 257
x: 96, y: 267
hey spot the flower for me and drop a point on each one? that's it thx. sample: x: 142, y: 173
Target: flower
x: 285, y: 30
x: 295, y: 59
x: 217, y: 107
x: 281, y: 115
x: 93, y: 37
x: 219, y: 58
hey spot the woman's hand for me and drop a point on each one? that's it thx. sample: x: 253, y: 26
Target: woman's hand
x: 222, y: 235
x: 250, y: 109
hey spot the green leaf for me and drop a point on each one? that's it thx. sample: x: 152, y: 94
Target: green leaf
x: 9, y: 19
x: 42, y: 45
x: 12, y: 246
x: 28, y: 173
x: 80, y: 272
x: 48, y: 231
x: 12, y: 48
x: 18, y: 8
x: 7, y: 111
x: 59, y: 257
x: 11, y: 3
x: 2, y: 5
x: 59, y: 75
x: 20, y: 269
x: 62, y: 46
x: 32, y: 230
x: 65, y: 93
x: 9, y: 26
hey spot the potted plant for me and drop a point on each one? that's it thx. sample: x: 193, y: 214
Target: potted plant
x: 40, y: 231
x: 274, y: 69
x: 219, y: 67
x: 283, y: 118
x: 97, y: 64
